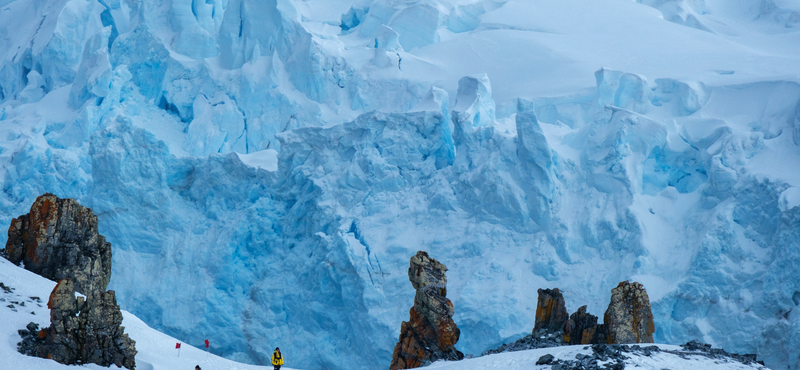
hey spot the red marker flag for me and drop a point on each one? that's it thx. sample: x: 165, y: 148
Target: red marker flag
x: 177, y: 346
x: 206, y: 343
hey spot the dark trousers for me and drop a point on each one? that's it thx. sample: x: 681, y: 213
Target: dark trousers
x: 277, y: 367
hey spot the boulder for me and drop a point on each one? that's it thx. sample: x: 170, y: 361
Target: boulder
x: 628, y: 318
x: 551, y: 311
x: 58, y: 239
x: 430, y: 334
x: 545, y: 360
x: 32, y: 338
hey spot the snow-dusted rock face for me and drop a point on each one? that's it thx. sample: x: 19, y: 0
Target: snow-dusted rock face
x: 565, y: 143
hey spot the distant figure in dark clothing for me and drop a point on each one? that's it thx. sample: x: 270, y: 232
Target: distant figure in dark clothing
x: 197, y: 367
x: 277, y: 359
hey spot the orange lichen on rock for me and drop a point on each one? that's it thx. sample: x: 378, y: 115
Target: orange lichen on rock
x: 430, y: 333
x: 628, y: 318
x: 58, y: 239
x: 581, y: 328
x: 551, y: 311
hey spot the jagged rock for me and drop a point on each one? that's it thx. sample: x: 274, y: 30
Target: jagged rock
x: 615, y: 356
x: 430, y: 334
x: 530, y: 341
x: 628, y: 318
x: 32, y: 338
x: 581, y: 328
x: 551, y: 311
x: 61, y: 340
x: 86, y: 331
x: 695, y: 347
x: 58, y: 239
x: 105, y: 340
x: 545, y: 360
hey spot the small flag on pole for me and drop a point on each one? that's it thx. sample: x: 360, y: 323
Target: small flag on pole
x: 177, y: 346
x: 206, y: 343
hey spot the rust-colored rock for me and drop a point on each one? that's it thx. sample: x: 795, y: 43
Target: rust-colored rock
x: 430, y: 334
x: 581, y: 328
x: 628, y: 318
x: 58, y: 239
x: 86, y: 331
x: 551, y: 311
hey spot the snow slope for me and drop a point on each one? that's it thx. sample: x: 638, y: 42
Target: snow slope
x: 264, y: 169
x: 156, y: 351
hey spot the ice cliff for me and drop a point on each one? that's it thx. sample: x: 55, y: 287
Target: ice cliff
x: 265, y: 169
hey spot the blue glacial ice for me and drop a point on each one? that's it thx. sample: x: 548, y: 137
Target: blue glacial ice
x: 264, y: 170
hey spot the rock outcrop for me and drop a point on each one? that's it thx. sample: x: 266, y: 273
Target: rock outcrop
x: 530, y: 341
x: 582, y: 328
x: 551, y: 311
x: 628, y: 318
x: 58, y: 239
x: 85, y: 331
x: 430, y: 334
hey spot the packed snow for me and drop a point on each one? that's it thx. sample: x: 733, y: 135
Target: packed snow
x: 265, y: 169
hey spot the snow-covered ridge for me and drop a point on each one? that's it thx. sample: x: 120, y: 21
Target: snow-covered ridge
x: 673, y: 166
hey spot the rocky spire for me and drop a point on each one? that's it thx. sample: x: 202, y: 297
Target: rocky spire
x: 551, y: 311
x: 628, y: 318
x: 430, y: 334
x: 58, y: 239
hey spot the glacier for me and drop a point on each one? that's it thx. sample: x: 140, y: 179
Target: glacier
x: 264, y: 169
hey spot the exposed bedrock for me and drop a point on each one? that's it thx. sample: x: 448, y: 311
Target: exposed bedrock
x: 628, y: 318
x: 430, y: 334
x: 582, y: 328
x: 86, y: 331
x: 551, y: 311
x: 58, y: 239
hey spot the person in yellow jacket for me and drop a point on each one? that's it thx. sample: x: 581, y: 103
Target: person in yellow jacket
x: 277, y: 358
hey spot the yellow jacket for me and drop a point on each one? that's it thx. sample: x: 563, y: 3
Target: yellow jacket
x: 277, y: 358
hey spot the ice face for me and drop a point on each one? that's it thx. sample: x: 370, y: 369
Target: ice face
x: 264, y: 169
